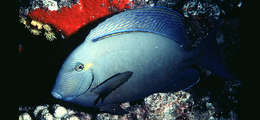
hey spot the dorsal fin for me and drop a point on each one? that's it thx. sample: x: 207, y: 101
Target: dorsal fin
x: 163, y: 21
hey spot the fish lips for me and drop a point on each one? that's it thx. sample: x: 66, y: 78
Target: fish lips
x: 60, y: 97
x: 67, y: 98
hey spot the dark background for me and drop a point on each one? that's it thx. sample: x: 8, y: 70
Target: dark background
x: 40, y: 60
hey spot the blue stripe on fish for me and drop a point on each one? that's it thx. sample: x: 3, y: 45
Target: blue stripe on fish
x: 163, y: 21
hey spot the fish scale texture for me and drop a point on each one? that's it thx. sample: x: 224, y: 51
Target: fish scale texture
x: 157, y: 20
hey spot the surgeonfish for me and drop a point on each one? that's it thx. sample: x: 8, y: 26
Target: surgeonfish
x: 131, y: 55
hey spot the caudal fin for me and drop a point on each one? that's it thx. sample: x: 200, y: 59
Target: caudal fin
x: 211, y: 58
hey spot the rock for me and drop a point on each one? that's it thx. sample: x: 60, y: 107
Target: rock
x: 125, y: 105
x: 40, y: 112
x: 167, y: 105
x: 67, y: 3
x: 25, y: 116
x: 44, y: 112
x: 201, y: 8
x: 104, y: 116
x: 85, y: 116
x: 73, y: 117
x: 59, y: 111
x: 39, y: 109
x: 209, y: 105
x: 158, y: 106
x: 211, y: 118
x: 47, y: 116
x: 139, y: 112
x: 50, y: 4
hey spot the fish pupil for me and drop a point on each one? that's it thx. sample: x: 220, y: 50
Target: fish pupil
x: 79, y: 67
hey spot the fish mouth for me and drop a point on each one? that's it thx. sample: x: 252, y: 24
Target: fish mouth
x: 60, y: 97
x: 56, y: 95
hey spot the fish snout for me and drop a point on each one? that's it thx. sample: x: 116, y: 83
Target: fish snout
x: 60, y: 97
x: 56, y: 95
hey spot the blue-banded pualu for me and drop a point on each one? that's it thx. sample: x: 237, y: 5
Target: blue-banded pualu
x: 131, y: 55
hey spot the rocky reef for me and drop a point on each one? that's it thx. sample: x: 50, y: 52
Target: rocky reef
x: 179, y: 105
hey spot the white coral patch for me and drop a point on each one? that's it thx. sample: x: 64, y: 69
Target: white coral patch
x: 50, y: 4
x: 25, y: 116
x: 60, y: 111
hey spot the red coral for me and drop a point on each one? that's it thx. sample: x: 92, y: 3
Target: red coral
x: 69, y: 20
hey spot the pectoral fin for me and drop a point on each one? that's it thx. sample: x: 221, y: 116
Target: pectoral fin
x: 110, y: 84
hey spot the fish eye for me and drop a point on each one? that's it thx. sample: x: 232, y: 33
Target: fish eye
x: 79, y: 67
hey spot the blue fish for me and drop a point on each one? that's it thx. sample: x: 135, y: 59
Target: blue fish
x: 131, y: 55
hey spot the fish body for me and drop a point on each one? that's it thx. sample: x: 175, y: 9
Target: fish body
x: 129, y: 60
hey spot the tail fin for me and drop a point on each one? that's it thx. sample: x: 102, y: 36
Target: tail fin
x: 210, y: 56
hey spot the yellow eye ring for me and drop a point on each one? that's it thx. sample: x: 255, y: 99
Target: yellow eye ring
x: 80, y: 66
x: 87, y: 66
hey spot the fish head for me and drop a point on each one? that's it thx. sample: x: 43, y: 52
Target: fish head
x: 74, y: 78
